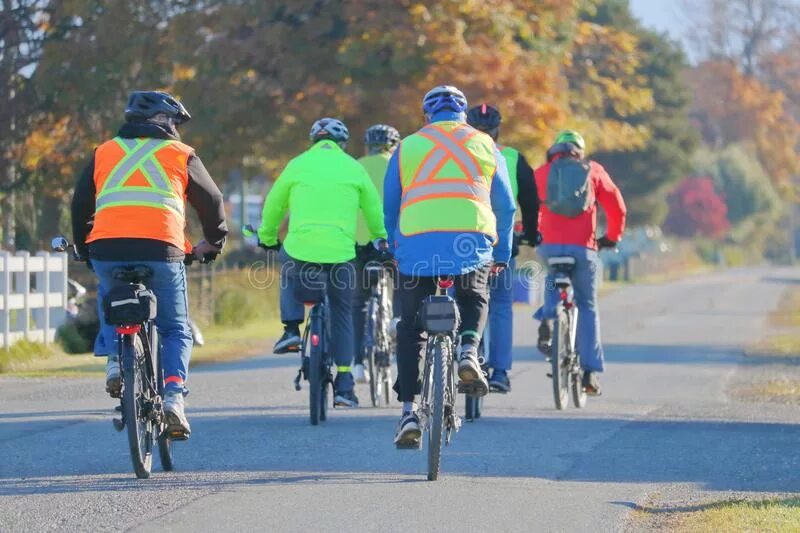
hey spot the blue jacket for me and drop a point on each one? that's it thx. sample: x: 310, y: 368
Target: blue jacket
x: 445, y: 253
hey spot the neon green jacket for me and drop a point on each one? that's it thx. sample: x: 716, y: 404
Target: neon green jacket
x: 322, y: 189
x: 375, y: 165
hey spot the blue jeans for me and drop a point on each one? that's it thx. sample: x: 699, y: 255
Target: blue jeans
x: 584, y: 281
x: 501, y: 319
x: 340, y: 290
x: 169, y: 285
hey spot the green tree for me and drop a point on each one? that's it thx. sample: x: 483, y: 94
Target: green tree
x: 645, y: 174
x: 740, y: 178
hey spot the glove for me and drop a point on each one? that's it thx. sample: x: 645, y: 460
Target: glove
x: 497, y: 268
x: 204, y: 251
x: 271, y: 247
x: 381, y: 245
x: 605, y: 242
x: 533, y: 241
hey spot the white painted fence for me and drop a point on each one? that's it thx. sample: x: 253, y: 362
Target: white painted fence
x: 33, y: 291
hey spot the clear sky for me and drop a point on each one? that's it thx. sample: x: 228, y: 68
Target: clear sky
x: 664, y: 15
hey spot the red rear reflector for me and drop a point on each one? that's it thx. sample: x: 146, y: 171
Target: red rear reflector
x: 315, y: 340
x: 128, y: 330
x: 563, y: 296
x: 446, y: 283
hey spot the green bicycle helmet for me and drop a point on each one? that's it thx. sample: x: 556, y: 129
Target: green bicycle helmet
x: 571, y: 137
x: 567, y: 142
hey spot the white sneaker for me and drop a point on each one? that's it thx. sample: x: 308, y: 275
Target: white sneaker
x: 113, y: 379
x: 177, y: 425
x: 360, y: 374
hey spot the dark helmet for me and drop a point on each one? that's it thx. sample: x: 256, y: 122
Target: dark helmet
x: 381, y: 136
x: 331, y: 129
x: 143, y: 105
x: 486, y: 118
x: 444, y: 97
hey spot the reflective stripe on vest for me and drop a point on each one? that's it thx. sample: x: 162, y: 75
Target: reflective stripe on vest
x: 446, y: 183
x: 448, y: 148
x: 139, y: 155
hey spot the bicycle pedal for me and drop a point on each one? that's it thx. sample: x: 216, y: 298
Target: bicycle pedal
x: 472, y: 388
x: 409, y: 446
x: 119, y: 424
x: 177, y: 435
x: 550, y: 375
x: 294, y: 349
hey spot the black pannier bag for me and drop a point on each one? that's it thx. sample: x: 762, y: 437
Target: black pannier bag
x: 127, y: 305
x: 439, y: 314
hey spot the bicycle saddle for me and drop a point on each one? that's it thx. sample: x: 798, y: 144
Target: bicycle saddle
x: 132, y: 273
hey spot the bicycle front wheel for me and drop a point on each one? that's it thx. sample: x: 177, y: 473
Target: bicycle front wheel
x: 436, y: 434
x: 559, y: 358
x: 135, y: 395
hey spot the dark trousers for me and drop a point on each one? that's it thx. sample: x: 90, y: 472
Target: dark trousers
x: 472, y: 296
x: 339, y: 287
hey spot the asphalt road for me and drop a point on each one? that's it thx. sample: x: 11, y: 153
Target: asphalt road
x: 665, y: 426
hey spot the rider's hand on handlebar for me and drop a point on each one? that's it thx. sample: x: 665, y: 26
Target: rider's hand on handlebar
x: 271, y: 247
x: 382, y: 245
x: 497, y: 268
x: 532, y: 241
x: 605, y: 242
x: 204, y: 251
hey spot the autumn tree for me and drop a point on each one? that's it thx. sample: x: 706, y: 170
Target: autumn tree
x: 697, y: 210
x: 23, y: 25
x: 645, y: 172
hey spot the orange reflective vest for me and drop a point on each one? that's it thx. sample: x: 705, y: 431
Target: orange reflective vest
x: 141, y: 190
x: 446, y: 170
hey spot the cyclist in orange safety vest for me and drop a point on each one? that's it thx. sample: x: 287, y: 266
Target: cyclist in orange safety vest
x: 448, y: 211
x: 129, y: 208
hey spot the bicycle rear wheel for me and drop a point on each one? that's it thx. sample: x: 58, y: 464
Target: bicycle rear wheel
x: 164, y: 442
x: 472, y: 408
x: 558, y: 359
x: 313, y: 350
x: 436, y: 433
x: 135, y: 394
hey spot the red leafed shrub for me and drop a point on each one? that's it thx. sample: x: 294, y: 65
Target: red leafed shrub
x: 697, y: 210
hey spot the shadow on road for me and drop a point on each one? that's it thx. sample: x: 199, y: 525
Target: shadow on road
x: 256, y: 447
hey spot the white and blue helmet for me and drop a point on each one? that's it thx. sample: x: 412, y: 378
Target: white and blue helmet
x: 444, y: 97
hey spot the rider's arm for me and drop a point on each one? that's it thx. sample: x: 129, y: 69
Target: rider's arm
x: 528, y: 199
x: 83, y: 206
x: 392, y: 193
x: 504, y: 207
x: 610, y: 199
x: 370, y: 202
x: 205, y: 197
x: 275, y: 207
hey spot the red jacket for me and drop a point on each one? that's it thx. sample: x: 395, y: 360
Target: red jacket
x: 580, y: 231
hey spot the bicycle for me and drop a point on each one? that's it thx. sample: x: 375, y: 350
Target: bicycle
x: 316, y: 360
x: 378, y: 344
x: 440, y: 318
x: 132, y: 309
x: 566, y: 372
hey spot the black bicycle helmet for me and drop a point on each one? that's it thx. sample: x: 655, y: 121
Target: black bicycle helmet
x: 143, y: 105
x: 486, y: 118
x: 381, y: 136
x: 331, y: 129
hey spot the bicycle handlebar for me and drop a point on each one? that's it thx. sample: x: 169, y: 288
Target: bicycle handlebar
x: 60, y: 243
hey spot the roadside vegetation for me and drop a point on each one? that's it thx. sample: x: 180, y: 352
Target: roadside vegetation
x: 775, y: 515
x: 237, y: 320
